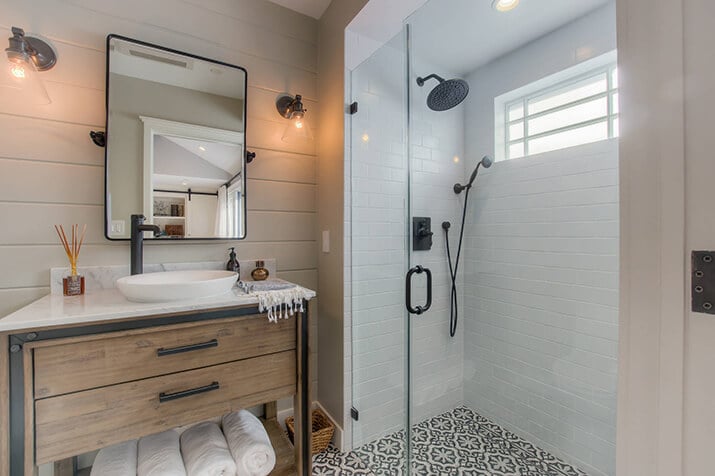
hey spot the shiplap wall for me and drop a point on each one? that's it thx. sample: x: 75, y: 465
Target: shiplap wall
x: 50, y: 172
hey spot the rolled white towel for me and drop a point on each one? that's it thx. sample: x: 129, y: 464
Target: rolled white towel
x: 116, y: 460
x: 206, y: 452
x: 160, y: 455
x: 249, y: 444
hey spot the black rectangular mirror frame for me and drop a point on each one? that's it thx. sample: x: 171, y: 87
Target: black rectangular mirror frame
x: 108, y: 138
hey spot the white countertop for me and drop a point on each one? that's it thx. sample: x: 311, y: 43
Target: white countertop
x: 104, y: 305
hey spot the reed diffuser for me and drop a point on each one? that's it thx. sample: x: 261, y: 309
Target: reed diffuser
x: 72, y: 285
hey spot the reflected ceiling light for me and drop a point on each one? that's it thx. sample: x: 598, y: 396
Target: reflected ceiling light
x: 27, y: 56
x: 455, y: 159
x: 505, y: 5
x: 292, y: 109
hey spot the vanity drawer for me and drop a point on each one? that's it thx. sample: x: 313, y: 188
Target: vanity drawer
x: 71, y: 424
x: 85, y: 363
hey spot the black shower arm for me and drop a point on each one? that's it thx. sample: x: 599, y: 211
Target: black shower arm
x: 421, y: 81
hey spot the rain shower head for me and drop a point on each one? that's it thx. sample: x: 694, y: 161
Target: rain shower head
x: 447, y: 94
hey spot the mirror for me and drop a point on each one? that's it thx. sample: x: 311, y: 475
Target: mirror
x: 175, y: 149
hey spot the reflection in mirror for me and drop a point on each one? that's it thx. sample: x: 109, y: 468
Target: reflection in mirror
x: 175, y: 143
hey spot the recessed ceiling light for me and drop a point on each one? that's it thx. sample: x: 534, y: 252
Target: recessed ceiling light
x: 202, y: 148
x: 505, y: 5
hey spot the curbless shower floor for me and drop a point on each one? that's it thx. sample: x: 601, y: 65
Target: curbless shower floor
x: 459, y: 442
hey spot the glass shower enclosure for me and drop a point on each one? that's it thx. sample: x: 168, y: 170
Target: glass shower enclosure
x: 527, y: 381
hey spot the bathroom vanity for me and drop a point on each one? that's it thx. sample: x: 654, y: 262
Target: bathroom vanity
x: 81, y: 373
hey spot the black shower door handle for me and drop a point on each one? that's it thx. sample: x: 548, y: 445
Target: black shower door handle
x: 408, y: 290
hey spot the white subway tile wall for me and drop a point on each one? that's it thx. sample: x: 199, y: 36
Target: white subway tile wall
x: 541, y: 295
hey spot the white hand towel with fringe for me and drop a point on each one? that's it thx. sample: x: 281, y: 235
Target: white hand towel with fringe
x: 282, y: 303
x: 116, y: 460
x: 206, y: 452
x: 249, y: 444
x: 160, y: 455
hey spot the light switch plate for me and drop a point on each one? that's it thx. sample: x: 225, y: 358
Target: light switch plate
x: 326, y: 241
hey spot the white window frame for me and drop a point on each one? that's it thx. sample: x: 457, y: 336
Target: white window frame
x: 605, y: 64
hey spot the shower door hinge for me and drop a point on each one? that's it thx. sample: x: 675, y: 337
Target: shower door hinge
x: 354, y: 413
x: 354, y: 108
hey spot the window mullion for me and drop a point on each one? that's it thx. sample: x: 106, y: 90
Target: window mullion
x: 525, y: 103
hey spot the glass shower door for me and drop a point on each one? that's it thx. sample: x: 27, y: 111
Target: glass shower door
x: 379, y: 258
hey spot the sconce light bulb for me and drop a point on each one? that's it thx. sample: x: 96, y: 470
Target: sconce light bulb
x: 456, y: 159
x: 17, y: 70
x: 365, y: 137
x: 299, y: 123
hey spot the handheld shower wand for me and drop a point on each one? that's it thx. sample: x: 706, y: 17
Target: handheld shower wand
x: 486, y: 162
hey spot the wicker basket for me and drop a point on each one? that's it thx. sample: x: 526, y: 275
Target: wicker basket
x: 322, y: 431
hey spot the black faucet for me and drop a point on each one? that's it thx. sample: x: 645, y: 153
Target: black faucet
x: 137, y: 246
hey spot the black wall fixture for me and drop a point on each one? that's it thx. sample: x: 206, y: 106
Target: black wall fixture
x: 99, y: 138
x: 422, y: 233
x: 250, y: 156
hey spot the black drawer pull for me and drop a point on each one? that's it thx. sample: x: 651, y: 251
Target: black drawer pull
x: 167, y: 397
x: 187, y: 348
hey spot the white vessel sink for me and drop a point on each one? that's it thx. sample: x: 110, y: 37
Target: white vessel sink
x: 176, y: 285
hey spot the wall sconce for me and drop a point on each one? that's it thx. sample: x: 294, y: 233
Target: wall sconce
x: 27, y: 56
x: 292, y: 109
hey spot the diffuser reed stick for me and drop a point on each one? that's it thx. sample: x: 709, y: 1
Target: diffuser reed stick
x: 72, y: 248
x: 73, y: 284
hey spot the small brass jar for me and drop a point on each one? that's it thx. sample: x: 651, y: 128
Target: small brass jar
x: 260, y: 273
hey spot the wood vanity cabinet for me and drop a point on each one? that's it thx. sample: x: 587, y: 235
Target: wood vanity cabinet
x: 73, y: 390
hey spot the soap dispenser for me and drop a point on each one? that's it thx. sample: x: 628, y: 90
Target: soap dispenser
x: 233, y: 264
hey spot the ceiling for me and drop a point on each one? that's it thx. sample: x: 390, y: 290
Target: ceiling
x: 462, y: 35
x: 312, y: 8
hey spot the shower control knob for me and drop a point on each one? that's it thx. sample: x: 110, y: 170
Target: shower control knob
x: 423, y: 232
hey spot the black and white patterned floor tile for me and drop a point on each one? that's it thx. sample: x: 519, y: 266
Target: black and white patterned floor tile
x: 459, y: 442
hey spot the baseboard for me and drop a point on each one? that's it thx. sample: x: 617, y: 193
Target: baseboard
x: 337, y: 436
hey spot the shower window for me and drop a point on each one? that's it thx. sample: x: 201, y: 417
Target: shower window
x: 580, y: 109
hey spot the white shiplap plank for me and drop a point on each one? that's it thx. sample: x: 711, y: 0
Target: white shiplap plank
x: 283, y: 166
x: 70, y: 104
x: 46, y: 140
x: 281, y: 226
x: 30, y: 181
x: 283, y: 196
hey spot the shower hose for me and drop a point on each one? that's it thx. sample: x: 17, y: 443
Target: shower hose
x: 454, y: 303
